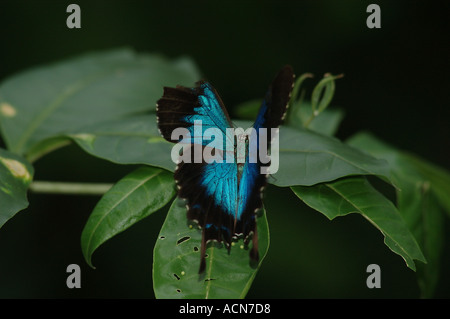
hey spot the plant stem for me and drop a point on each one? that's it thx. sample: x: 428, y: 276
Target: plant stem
x: 69, y: 188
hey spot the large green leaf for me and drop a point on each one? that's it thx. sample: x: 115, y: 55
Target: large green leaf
x: 422, y: 195
x: 15, y: 177
x: 63, y: 97
x: 308, y: 158
x: 132, y: 140
x: 134, y: 197
x: 176, y: 261
x: 356, y: 195
x: 406, y: 166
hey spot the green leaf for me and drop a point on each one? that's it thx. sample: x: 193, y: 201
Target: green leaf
x: 307, y: 158
x: 422, y: 195
x: 356, y: 195
x: 424, y: 216
x: 134, y: 197
x: 407, y: 166
x: 60, y: 98
x: 131, y: 140
x: 16, y: 175
x: 438, y: 177
x: 176, y: 260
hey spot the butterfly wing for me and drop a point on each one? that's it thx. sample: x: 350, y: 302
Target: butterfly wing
x: 211, y: 193
x: 273, y: 108
x: 182, y: 107
x: 252, y: 182
x: 209, y: 188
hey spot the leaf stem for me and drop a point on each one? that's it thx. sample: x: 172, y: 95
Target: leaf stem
x: 69, y: 188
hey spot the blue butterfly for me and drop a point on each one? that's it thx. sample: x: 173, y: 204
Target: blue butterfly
x: 222, y: 197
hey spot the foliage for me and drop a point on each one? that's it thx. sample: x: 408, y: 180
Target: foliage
x: 105, y: 103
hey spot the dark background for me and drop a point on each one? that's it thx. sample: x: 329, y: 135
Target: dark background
x: 396, y: 86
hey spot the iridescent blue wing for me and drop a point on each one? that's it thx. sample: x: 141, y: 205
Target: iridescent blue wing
x: 252, y: 181
x: 182, y: 107
x: 210, y: 189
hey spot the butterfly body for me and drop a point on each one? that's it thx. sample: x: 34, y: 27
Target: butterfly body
x: 222, y: 196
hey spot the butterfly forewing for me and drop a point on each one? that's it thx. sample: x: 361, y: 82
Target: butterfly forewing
x: 183, y: 107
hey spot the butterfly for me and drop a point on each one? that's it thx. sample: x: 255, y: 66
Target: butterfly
x: 222, y: 197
